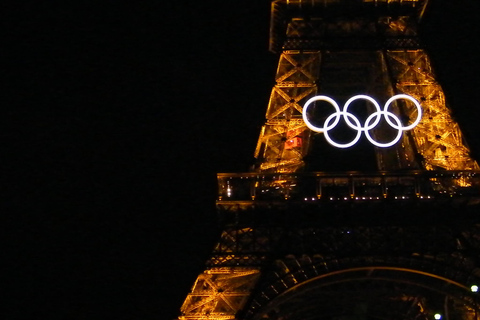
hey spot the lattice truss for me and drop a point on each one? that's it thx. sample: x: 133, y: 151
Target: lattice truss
x: 219, y: 293
x: 369, y: 293
x: 438, y: 137
x: 241, y: 246
x: 283, y: 139
x: 414, y: 257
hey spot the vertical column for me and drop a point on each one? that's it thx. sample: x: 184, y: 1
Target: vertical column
x: 438, y: 138
x: 283, y: 139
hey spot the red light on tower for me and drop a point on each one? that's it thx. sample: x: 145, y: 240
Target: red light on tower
x: 293, y: 143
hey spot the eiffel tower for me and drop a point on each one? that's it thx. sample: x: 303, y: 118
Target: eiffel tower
x: 369, y: 212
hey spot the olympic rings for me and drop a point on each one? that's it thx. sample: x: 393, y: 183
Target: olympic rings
x: 370, y: 123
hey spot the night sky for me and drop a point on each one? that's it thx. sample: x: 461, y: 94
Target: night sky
x: 120, y: 115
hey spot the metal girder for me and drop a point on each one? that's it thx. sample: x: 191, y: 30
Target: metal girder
x: 296, y: 75
x: 285, y: 15
x: 421, y: 262
x: 368, y: 294
x: 386, y: 290
x: 438, y: 137
x: 219, y: 293
x: 241, y: 246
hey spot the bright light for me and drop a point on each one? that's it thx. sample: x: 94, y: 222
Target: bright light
x: 474, y: 288
x: 334, y: 118
x: 415, y: 102
x: 320, y: 98
x: 388, y: 144
x: 437, y: 316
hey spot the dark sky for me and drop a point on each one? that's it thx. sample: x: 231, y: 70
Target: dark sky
x: 121, y: 114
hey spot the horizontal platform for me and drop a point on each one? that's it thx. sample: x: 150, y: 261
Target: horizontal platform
x: 283, y: 11
x: 345, y: 7
x: 346, y: 186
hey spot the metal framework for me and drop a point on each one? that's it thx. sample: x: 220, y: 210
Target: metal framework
x: 331, y: 53
x: 219, y: 293
x: 401, y: 242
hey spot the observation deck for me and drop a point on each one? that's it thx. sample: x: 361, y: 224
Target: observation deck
x: 431, y: 194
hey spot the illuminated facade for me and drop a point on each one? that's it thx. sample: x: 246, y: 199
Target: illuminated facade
x: 302, y: 241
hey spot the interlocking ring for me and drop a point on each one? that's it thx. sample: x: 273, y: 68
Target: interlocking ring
x: 370, y: 123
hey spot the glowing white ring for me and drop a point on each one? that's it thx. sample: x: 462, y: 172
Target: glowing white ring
x: 321, y: 98
x: 357, y: 126
x: 345, y: 145
x: 388, y: 144
x: 378, y: 112
x: 415, y: 102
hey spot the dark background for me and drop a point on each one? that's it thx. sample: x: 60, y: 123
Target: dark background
x: 120, y: 115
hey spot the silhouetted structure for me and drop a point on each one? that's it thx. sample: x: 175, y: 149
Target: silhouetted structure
x: 316, y: 232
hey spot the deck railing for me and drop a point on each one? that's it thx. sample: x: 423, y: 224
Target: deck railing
x: 346, y: 186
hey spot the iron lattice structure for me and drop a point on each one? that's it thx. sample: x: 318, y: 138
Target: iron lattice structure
x: 299, y: 242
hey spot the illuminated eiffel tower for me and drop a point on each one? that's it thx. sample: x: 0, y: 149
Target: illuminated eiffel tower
x: 334, y: 223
